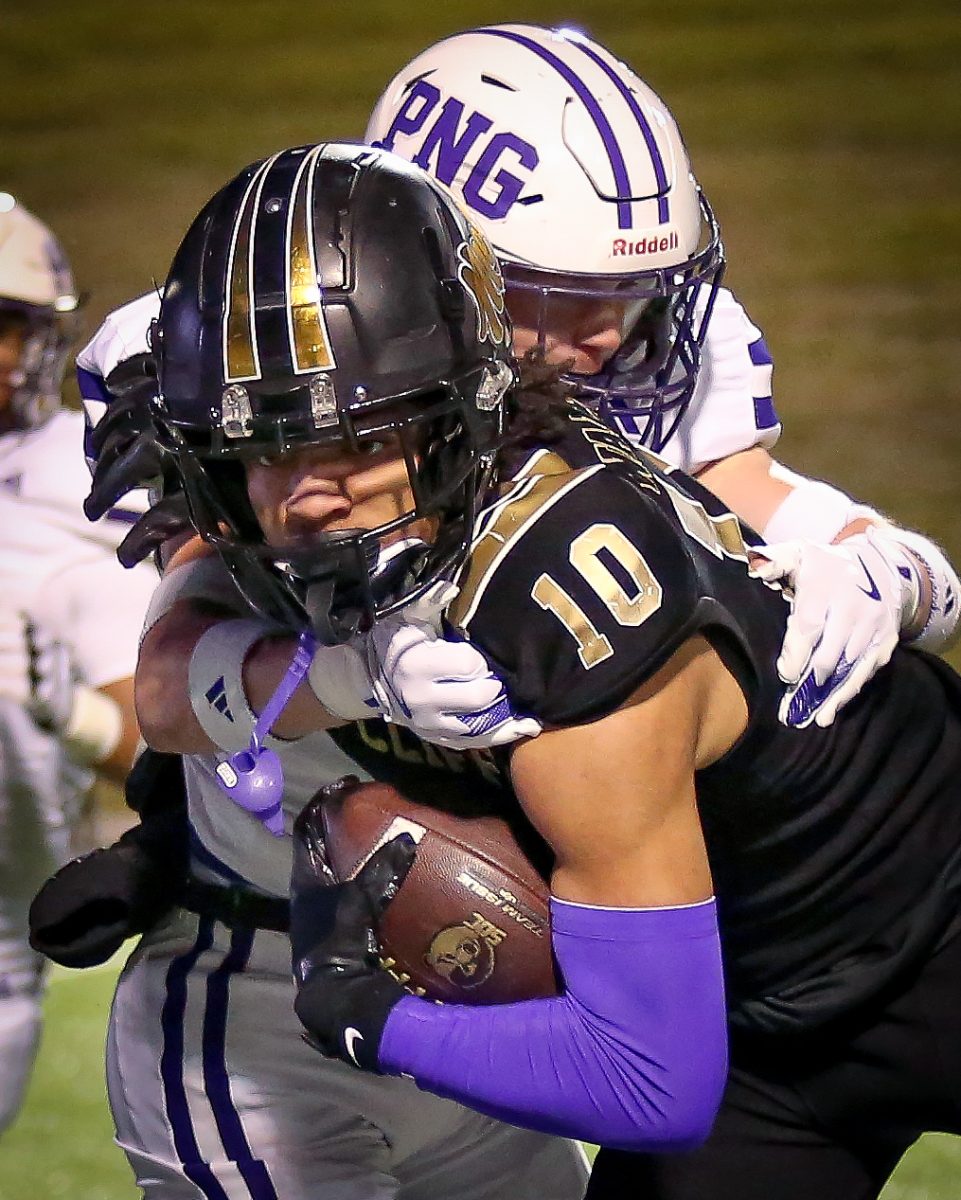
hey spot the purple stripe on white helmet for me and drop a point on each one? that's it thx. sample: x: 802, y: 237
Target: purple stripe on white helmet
x: 663, y: 207
x: 615, y: 156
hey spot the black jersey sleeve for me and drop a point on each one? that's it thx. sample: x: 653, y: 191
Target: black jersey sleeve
x: 579, y: 588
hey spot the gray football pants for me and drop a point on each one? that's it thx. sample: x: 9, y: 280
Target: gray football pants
x: 215, y: 1094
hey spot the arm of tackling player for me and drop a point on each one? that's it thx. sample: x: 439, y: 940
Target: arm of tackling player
x: 860, y: 583
x: 204, y: 673
x: 783, y: 505
x: 633, y: 1053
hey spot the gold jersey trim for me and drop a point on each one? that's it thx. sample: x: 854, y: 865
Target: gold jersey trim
x: 529, y: 499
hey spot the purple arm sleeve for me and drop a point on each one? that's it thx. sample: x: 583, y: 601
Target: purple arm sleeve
x: 633, y: 1055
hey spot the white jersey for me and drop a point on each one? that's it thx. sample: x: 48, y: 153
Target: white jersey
x: 57, y: 567
x: 59, y: 570
x: 231, y: 842
x: 732, y: 408
x: 123, y: 334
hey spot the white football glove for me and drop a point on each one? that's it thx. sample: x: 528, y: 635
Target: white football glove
x: 850, y: 603
x: 445, y: 691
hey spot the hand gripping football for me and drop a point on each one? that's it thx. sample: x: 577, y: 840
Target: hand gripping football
x: 470, y: 924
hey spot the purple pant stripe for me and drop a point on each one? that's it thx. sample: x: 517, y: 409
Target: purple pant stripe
x: 663, y: 208
x: 171, y: 1067
x: 216, y: 1079
x: 614, y: 155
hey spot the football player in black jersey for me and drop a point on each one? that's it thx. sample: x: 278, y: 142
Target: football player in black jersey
x: 723, y: 885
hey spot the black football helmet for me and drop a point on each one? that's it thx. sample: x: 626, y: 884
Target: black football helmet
x: 329, y: 293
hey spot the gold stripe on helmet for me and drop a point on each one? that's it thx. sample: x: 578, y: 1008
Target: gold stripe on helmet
x: 310, y: 348
x: 241, y: 357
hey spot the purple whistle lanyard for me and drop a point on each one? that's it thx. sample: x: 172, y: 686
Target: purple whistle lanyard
x: 254, y: 778
x: 293, y: 677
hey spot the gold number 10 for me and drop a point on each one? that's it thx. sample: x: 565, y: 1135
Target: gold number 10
x: 629, y: 610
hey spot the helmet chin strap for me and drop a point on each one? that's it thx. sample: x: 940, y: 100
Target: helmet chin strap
x: 382, y: 571
x: 333, y: 573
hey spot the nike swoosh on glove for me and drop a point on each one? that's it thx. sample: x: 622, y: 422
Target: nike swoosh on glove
x: 442, y: 689
x: 850, y: 603
x: 344, y: 997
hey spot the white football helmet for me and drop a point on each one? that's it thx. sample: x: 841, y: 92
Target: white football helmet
x: 36, y: 291
x: 578, y: 174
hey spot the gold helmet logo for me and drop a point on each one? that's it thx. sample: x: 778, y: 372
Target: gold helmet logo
x: 480, y: 274
x: 461, y: 955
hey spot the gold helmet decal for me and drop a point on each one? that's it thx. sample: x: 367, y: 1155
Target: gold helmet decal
x: 240, y: 349
x: 308, y: 337
x: 480, y: 273
x: 462, y: 955
x: 310, y: 346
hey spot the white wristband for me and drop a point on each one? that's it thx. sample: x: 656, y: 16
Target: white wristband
x: 95, y: 727
x: 339, y: 678
x: 216, y: 683
x: 814, y: 510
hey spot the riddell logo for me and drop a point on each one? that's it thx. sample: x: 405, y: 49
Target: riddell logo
x: 647, y: 245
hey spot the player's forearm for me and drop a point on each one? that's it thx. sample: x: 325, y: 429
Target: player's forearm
x: 632, y: 1055
x: 167, y: 707
x: 785, y: 506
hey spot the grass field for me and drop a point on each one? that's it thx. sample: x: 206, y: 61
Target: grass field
x: 826, y: 133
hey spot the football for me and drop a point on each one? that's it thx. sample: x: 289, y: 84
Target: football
x: 470, y: 924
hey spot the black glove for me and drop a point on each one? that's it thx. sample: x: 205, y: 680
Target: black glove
x: 343, y: 996
x: 124, y: 440
x: 161, y: 521
x: 83, y: 914
x: 155, y: 784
